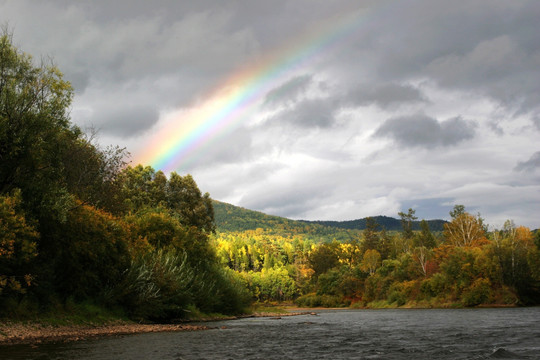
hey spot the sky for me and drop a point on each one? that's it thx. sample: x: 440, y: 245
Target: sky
x: 311, y: 109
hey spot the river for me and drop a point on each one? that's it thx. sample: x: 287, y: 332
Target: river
x: 332, y: 334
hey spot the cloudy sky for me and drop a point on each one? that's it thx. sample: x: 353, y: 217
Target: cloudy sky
x: 311, y: 109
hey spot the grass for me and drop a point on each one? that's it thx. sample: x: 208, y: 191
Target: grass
x: 274, y: 308
x: 70, y: 313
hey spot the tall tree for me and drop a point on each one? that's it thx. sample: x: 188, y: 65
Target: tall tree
x: 407, y: 220
x: 464, y: 229
x: 425, y: 238
x: 371, y: 235
x: 458, y: 210
x: 34, y: 116
x: 323, y: 258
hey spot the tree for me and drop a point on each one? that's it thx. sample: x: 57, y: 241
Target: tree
x: 407, y: 220
x: 34, y: 116
x: 385, y: 244
x: 323, y: 258
x: 92, y: 173
x: 457, y: 211
x: 421, y: 255
x: 17, y: 246
x: 193, y: 208
x: 84, y: 254
x: 425, y: 238
x: 371, y: 237
x: 464, y: 230
x: 144, y: 188
x: 371, y: 261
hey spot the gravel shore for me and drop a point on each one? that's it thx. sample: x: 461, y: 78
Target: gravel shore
x: 34, y: 333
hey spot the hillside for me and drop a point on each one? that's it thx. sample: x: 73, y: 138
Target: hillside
x: 234, y: 218
x: 231, y: 218
x: 389, y: 223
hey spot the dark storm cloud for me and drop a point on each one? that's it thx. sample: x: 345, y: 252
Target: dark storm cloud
x: 125, y: 121
x: 425, y: 131
x: 530, y: 165
x: 385, y: 95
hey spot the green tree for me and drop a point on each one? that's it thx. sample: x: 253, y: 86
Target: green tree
x: 371, y: 236
x: 84, y: 254
x: 34, y: 116
x: 91, y: 173
x: 143, y: 187
x: 194, y: 208
x: 425, y: 238
x: 407, y: 220
x: 457, y: 211
x: 323, y: 258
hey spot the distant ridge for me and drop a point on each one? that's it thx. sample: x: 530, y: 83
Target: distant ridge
x: 235, y: 218
x: 389, y: 223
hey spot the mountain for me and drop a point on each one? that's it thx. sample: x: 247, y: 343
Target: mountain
x: 234, y: 218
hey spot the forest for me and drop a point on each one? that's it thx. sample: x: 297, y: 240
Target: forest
x: 463, y: 265
x: 80, y: 225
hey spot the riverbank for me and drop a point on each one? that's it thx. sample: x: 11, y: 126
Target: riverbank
x: 35, y: 333
x: 28, y: 332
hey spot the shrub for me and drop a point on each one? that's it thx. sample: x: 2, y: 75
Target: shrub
x: 479, y: 292
x: 156, y: 285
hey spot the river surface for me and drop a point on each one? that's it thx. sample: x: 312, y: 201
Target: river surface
x: 332, y: 334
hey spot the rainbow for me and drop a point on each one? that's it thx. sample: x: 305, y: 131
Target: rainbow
x: 187, y: 132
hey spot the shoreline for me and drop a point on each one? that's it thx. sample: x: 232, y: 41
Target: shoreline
x: 34, y: 333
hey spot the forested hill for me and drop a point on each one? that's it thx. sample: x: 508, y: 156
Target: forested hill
x: 234, y: 218
x: 230, y: 218
x: 389, y: 223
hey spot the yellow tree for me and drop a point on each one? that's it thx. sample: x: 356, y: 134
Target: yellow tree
x: 464, y: 230
x: 371, y: 261
x: 17, y: 245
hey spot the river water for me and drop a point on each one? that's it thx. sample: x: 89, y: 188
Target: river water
x: 332, y: 334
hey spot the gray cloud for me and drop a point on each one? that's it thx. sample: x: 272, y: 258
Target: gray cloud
x: 530, y: 165
x: 290, y: 91
x: 133, y: 60
x: 312, y: 113
x: 289, y: 202
x: 385, y: 95
x: 433, y: 208
x: 536, y: 121
x: 125, y: 121
x: 424, y: 131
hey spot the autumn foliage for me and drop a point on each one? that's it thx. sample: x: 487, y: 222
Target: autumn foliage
x: 463, y: 266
